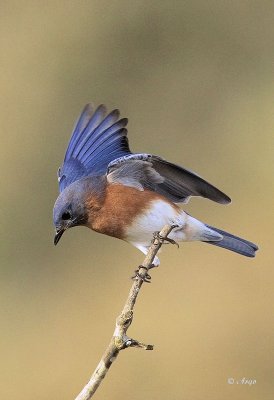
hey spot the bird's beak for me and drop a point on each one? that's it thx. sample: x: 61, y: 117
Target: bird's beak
x: 58, y: 234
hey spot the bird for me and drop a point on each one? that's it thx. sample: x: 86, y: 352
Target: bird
x: 130, y: 196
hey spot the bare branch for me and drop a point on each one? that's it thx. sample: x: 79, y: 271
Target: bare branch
x: 120, y: 340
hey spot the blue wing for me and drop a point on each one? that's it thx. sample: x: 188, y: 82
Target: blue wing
x: 99, y: 146
x: 97, y: 139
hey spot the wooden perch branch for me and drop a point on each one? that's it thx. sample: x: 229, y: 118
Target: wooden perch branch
x: 120, y: 340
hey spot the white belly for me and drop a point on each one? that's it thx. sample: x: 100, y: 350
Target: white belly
x: 140, y: 233
x: 153, y: 220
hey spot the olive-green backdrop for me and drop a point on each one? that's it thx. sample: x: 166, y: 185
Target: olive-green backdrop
x: 196, y: 80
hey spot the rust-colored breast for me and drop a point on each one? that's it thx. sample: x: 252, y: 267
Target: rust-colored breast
x: 121, y: 205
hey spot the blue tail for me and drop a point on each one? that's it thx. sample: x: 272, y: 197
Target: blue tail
x: 234, y: 243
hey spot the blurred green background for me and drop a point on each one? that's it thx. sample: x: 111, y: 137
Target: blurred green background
x: 196, y: 80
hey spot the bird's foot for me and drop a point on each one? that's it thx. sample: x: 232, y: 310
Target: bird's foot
x: 145, y: 278
x: 166, y: 240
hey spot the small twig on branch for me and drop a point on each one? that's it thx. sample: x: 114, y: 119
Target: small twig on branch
x: 120, y: 340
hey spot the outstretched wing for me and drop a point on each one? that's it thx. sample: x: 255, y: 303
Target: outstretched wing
x: 97, y: 139
x: 146, y: 171
x: 99, y: 145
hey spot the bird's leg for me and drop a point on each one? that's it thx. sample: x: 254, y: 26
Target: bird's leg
x: 156, y: 235
x: 144, y: 249
x: 155, y: 263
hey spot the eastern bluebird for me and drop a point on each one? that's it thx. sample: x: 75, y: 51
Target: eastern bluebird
x: 109, y: 189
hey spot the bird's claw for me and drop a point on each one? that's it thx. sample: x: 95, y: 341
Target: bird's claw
x: 166, y: 240
x: 146, y: 278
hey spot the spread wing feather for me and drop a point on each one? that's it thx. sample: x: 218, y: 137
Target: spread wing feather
x: 97, y: 139
x: 99, y: 146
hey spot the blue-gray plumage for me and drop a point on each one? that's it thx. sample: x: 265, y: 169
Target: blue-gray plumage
x: 106, y: 187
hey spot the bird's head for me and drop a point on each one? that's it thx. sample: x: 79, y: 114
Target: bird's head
x: 77, y: 204
x: 69, y: 210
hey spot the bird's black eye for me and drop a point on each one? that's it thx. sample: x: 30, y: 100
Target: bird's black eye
x: 66, y: 215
